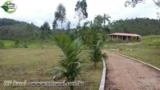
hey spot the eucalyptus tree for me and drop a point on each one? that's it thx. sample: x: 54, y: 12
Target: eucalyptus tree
x: 68, y: 25
x: 69, y: 66
x: 54, y: 25
x: 81, y: 9
x: 59, y: 15
x: 133, y: 3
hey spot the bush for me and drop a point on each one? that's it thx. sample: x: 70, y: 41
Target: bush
x: 16, y: 44
x: 25, y: 45
x: 105, y: 56
x: 96, y: 53
x: 1, y: 44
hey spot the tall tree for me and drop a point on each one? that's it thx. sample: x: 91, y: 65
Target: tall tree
x: 133, y: 3
x: 45, y: 30
x: 54, y: 24
x: 59, y: 15
x: 81, y: 9
x: 68, y: 25
x: 98, y: 21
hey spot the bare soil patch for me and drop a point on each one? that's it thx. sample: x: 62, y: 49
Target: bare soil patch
x: 127, y: 74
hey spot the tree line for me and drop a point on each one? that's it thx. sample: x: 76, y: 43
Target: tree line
x: 142, y: 26
x: 12, y: 29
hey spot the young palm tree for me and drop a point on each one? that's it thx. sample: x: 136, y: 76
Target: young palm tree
x: 96, y: 54
x: 70, y: 66
x: 93, y: 38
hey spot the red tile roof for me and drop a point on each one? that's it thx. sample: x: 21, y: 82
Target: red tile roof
x: 125, y: 34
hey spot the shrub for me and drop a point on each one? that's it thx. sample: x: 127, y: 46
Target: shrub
x: 16, y: 44
x: 1, y: 44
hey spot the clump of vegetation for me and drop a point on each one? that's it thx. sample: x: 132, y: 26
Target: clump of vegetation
x: 1, y: 44
x: 94, y: 36
x: 25, y: 45
x: 70, y: 66
x: 45, y: 31
x: 104, y: 55
x: 96, y: 53
x: 16, y: 44
x: 142, y: 26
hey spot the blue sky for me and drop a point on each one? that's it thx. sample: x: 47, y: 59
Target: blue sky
x: 39, y: 11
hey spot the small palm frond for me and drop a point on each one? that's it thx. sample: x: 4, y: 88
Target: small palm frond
x: 58, y: 71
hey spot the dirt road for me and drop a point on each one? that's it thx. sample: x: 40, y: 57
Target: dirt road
x: 126, y: 74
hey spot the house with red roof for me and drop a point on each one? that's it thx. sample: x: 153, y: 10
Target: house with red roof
x: 125, y: 37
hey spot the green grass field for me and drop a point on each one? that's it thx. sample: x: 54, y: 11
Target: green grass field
x: 147, y: 50
x: 34, y: 63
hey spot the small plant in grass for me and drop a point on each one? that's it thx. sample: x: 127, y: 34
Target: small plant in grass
x: 69, y: 67
x: 1, y: 44
x: 16, y: 43
x: 96, y: 53
x: 25, y: 45
x: 95, y: 44
x: 104, y: 55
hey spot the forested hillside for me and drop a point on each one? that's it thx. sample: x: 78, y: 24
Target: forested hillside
x: 12, y: 29
x: 142, y: 26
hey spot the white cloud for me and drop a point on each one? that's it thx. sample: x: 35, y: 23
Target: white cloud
x: 39, y: 11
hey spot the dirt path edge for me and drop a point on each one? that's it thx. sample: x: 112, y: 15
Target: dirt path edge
x: 140, y: 61
x: 103, y: 77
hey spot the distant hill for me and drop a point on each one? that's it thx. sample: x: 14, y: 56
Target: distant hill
x: 142, y: 26
x: 12, y: 29
x: 5, y: 22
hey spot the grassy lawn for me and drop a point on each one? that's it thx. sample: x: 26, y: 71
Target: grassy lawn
x: 34, y: 64
x: 147, y: 50
x: 7, y: 43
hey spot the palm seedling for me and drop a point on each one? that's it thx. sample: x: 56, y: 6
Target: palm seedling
x: 96, y: 54
x: 69, y: 67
